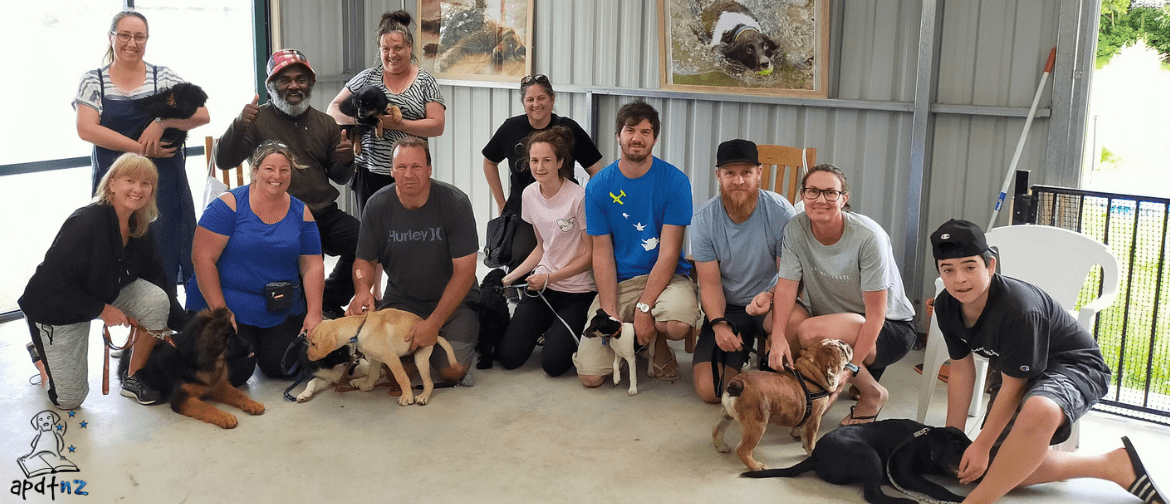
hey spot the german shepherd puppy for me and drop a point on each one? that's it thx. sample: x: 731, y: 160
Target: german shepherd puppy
x: 179, y: 102
x: 195, y: 368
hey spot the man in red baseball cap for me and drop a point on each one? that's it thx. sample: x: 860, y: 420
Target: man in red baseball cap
x: 317, y: 142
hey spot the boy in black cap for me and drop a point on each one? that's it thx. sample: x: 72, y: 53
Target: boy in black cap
x: 1052, y: 373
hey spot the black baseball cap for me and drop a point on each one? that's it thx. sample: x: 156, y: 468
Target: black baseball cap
x: 958, y: 238
x: 737, y: 151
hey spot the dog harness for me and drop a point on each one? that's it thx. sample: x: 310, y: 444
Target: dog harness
x: 890, y: 474
x: 808, y: 396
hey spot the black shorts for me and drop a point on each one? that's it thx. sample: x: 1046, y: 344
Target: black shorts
x: 749, y: 327
x: 894, y: 341
x: 1057, y: 388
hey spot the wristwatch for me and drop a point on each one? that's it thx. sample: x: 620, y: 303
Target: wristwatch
x: 852, y: 368
x: 643, y: 307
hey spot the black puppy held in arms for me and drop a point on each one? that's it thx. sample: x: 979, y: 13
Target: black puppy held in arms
x: 195, y: 368
x: 734, y: 32
x: 873, y: 453
x: 367, y: 107
x: 180, y: 101
x: 493, y: 318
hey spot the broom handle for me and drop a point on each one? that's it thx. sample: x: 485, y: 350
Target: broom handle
x: 1007, y: 180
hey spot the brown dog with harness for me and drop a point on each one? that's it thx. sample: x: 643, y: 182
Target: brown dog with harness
x: 758, y: 398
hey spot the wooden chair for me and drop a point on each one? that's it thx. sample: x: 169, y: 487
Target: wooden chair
x: 209, y: 144
x: 789, y: 164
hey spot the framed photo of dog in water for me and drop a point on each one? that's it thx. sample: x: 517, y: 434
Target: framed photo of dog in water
x: 475, y: 39
x: 773, y: 47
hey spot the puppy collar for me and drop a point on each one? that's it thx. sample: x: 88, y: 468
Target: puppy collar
x: 740, y: 30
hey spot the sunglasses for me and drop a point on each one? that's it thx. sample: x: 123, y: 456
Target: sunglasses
x: 528, y: 80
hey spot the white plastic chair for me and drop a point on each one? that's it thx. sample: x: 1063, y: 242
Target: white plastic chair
x: 1054, y: 259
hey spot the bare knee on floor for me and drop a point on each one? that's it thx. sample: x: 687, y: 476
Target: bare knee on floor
x: 591, y: 381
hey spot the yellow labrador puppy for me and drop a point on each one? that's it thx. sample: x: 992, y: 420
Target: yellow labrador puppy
x: 379, y: 335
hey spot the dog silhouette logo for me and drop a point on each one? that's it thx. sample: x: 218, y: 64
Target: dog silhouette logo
x: 45, y: 457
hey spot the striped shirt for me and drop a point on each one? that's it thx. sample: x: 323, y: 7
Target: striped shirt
x: 89, y: 92
x: 377, y: 153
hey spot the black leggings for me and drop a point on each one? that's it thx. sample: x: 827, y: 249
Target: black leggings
x: 533, y: 318
x: 269, y: 344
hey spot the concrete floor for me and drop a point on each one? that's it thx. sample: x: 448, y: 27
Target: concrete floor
x: 516, y: 436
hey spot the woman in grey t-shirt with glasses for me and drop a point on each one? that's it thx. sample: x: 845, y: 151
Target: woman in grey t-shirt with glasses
x: 845, y: 265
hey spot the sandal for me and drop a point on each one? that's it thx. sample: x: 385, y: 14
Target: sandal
x: 666, y: 371
x: 863, y: 419
x: 1143, y: 487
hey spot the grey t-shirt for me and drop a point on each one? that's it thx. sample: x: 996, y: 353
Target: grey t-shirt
x: 835, y: 276
x: 746, y: 252
x: 415, y: 247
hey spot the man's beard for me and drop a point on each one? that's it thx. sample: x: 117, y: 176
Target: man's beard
x: 633, y: 158
x: 739, y: 208
x: 281, y: 104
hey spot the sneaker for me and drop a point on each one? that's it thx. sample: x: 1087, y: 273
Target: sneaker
x: 135, y: 388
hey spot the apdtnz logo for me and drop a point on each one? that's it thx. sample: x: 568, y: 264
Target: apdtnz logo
x: 47, y: 459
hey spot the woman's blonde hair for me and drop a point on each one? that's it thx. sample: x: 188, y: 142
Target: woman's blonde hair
x: 270, y: 147
x: 139, y: 168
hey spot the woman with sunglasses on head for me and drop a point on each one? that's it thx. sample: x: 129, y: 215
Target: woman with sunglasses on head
x: 410, y: 88
x: 258, y: 252
x: 508, y: 143
x: 854, y: 289
x: 108, y: 118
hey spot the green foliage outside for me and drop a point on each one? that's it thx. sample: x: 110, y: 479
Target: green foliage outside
x: 1121, y: 27
x: 1108, y: 159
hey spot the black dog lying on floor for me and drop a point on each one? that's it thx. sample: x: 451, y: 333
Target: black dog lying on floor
x: 367, y: 107
x: 493, y: 317
x: 874, y: 453
x: 179, y: 102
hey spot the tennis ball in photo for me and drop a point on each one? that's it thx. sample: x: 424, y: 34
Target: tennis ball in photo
x: 766, y: 72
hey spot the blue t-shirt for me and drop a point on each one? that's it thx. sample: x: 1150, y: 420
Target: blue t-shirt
x: 633, y: 212
x: 746, y: 252
x: 257, y: 254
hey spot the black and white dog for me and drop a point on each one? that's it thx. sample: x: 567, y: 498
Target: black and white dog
x: 330, y: 370
x: 732, y: 30
x: 898, y: 452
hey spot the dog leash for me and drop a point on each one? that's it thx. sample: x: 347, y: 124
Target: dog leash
x: 720, y: 355
x: 808, y: 396
x: 540, y: 294
x: 890, y: 474
x: 300, y: 339
x: 135, y: 329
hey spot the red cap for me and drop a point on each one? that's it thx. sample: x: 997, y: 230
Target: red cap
x: 284, y: 58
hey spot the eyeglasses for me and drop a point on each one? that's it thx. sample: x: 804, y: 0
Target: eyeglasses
x: 812, y: 193
x: 528, y: 80
x: 125, y: 37
x: 301, y: 80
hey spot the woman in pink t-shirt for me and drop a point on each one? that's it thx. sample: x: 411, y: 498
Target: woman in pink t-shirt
x: 560, y: 265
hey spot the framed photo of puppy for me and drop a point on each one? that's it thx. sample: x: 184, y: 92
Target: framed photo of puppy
x: 773, y: 47
x: 475, y: 39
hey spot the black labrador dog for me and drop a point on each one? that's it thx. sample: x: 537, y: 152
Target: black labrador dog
x: 863, y: 453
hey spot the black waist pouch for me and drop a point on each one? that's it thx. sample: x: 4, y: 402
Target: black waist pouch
x: 280, y: 295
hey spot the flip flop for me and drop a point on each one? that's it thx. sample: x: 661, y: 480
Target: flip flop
x: 1143, y: 487
x: 864, y: 419
x: 660, y: 370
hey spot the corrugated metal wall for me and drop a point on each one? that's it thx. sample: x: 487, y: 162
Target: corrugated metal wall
x: 601, y: 53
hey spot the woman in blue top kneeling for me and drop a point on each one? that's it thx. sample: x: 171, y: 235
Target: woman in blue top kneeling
x: 257, y: 251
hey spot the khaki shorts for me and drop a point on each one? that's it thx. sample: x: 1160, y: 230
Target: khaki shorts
x: 677, y: 302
